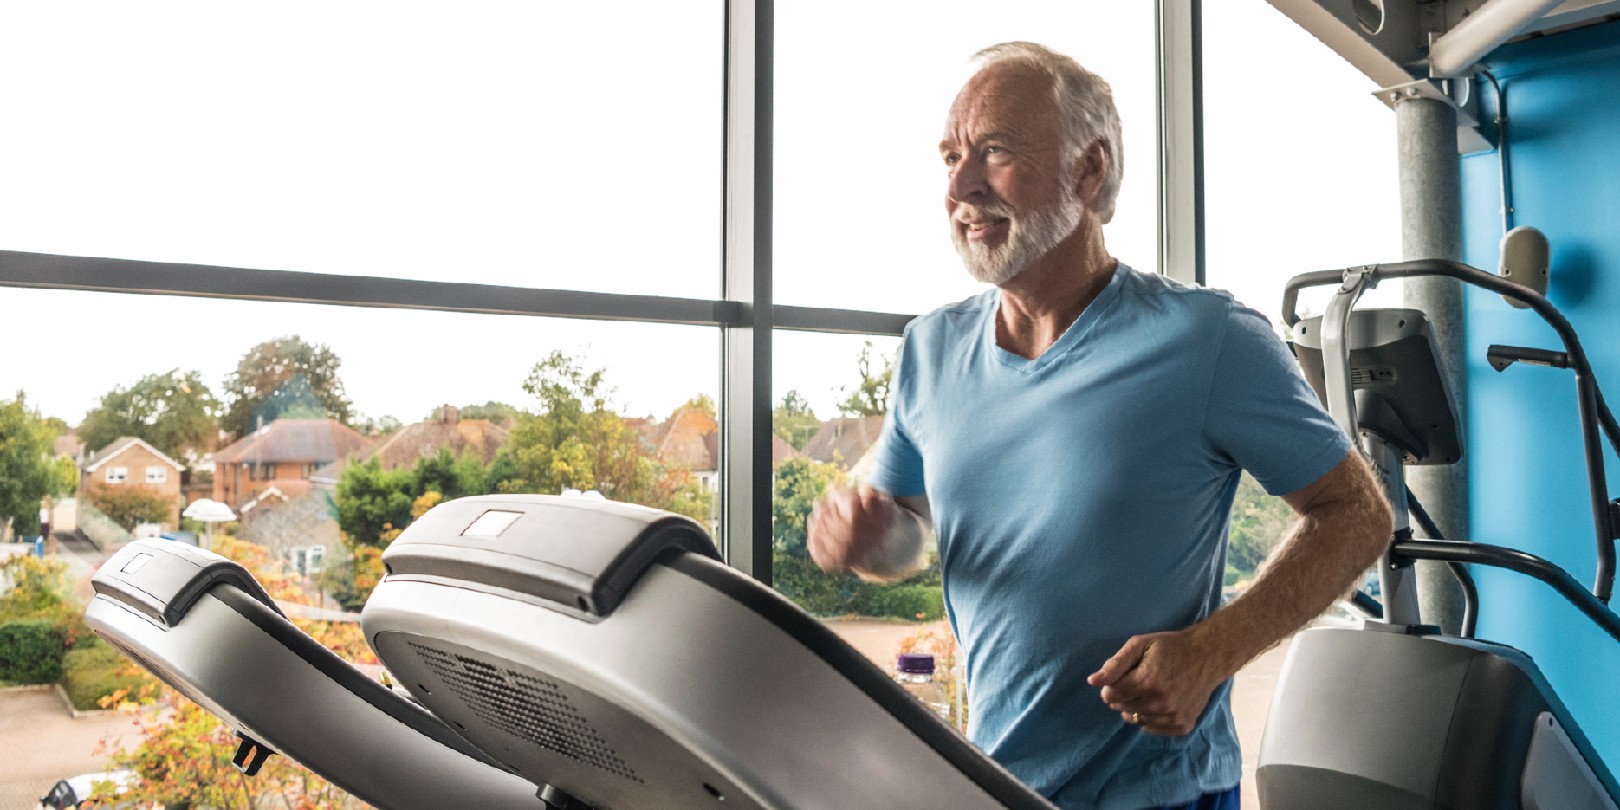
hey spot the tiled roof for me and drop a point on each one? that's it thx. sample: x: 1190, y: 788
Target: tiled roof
x: 844, y: 440
x: 690, y: 439
x: 424, y: 440
x: 303, y: 441
x: 121, y: 444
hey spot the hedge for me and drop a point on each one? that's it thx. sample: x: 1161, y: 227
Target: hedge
x: 30, y: 651
x: 96, y: 671
x: 914, y: 602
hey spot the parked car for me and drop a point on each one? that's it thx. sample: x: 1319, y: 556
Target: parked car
x: 74, y: 792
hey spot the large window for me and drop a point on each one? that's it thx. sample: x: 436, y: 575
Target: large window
x: 859, y: 203
x: 301, y: 159
x: 535, y: 144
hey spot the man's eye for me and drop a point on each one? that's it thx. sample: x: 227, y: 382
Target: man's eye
x: 952, y: 159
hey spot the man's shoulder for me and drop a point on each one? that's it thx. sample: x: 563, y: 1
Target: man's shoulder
x: 952, y: 321
x: 1164, y: 291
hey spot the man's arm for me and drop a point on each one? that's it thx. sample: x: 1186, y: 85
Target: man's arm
x: 1164, y: 680
x: 868, y: 532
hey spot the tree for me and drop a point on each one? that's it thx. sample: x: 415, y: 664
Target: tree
x: 284, y: 377
x: 130, y: 506
x: 702, y: 402
x: 576, y: 441
x: 794, y: 421
x: 183, y: 758
x: 371, y: 501
x: 871, y: 394
x: 30, y: 471
x: 174, y: 412
x: 498, y: 412
x: 1259, y: 522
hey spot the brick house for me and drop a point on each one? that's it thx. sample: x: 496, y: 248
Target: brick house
x: 131, y: 462
x: 283, y: 454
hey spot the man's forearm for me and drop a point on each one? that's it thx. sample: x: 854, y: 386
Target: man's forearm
x: 1333, y: 541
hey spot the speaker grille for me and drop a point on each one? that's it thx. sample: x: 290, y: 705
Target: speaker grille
x: 525, y: 706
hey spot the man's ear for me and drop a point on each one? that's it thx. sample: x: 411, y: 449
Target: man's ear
x: 1089, y: 171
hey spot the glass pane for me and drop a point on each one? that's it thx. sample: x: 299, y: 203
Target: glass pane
x: 175, y: 372
x: 498, y: 143
x: 859, y: 215
x: 830, y: 396
x: 1300, y: 168
x: 1300, y: 174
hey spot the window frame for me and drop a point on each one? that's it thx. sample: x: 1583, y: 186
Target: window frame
x: 157, y: 474
x: 745, y: 312
x: 116, y: 475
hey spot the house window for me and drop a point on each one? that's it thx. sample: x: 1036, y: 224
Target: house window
x: 117, y: 475
x: 157, y: 475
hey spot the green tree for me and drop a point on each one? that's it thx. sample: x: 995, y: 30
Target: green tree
x: 129, y: 505
x: 174, y: 412
x: 793, y: 420
x: 284, y: 377
x: 871, y: 395
x: 1259, y: 522
x: 576, y: 441
x: 30, y: 471
x: 371, y: 501
x: 498, y: 412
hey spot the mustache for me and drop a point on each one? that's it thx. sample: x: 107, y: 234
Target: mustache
x: 978, y: 213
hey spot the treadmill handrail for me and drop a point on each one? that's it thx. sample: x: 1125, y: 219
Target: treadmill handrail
x: 1518, y: 561
x: 1586, y: 383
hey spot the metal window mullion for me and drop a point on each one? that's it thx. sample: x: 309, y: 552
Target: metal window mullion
x: 745, y: 387
x: 1181, y: 142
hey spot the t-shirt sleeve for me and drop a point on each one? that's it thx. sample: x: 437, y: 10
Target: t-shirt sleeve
x: 897, y: 465
x: 1263, y: 415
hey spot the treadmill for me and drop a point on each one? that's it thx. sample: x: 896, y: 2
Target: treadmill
x: 554, y: 653
x: 1396, y: 714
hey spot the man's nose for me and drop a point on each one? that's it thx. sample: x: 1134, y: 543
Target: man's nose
x: 968, y: 182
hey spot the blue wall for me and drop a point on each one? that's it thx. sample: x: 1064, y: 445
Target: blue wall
x: 1528, y: 487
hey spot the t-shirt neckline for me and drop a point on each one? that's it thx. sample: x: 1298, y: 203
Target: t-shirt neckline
x: 1065, y: 342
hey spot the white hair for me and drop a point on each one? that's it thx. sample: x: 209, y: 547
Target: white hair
x: 1085, y: 104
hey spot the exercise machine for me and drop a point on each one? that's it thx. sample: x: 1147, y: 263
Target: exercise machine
x: 1396, y: 714
x: 552, y: 653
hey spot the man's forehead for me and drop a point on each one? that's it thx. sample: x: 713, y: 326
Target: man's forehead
x: 1004, y: 98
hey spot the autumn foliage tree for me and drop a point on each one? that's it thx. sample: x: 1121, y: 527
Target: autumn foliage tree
x: 184, y: 755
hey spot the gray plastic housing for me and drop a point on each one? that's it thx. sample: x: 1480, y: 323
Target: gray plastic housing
x: 1378, y: 718
x: 203, y: 625
x: 581, y: 553
x: 1401, y: 393
x: 698, y: 689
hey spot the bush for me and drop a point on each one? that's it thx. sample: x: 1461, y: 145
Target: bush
x: 910, y: 602
x: 97, y: 671
x: 30, y: 651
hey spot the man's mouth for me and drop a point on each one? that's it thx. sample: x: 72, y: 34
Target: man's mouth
x: 984, y: 229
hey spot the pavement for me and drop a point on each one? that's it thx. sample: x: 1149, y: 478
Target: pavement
x: 42, y: 742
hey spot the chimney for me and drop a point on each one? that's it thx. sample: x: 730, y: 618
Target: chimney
x: 449, y: 415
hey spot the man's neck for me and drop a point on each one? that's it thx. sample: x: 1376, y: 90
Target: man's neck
x: 1042, y: 302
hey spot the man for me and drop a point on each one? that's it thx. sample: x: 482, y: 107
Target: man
x: 1074, y: 438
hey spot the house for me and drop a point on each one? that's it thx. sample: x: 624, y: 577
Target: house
x: 283, y: 454
x: 445, y: 431
x: 691, y: 439
x: 843, y: 441
x: 131, y: 462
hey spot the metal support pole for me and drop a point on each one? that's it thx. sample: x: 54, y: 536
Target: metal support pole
x: 1431, y: 228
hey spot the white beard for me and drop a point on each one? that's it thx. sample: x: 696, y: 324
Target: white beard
x: 1028, y: 238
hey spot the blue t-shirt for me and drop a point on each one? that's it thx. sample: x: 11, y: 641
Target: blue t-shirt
x: 1081, y: 498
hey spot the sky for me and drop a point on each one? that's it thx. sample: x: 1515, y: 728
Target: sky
x: 577, y: 146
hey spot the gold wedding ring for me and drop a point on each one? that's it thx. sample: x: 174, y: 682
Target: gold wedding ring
x: 1136, y: 718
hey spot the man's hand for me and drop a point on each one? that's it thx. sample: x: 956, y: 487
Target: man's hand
x: 847, y: 525
x: 1160, y: 681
